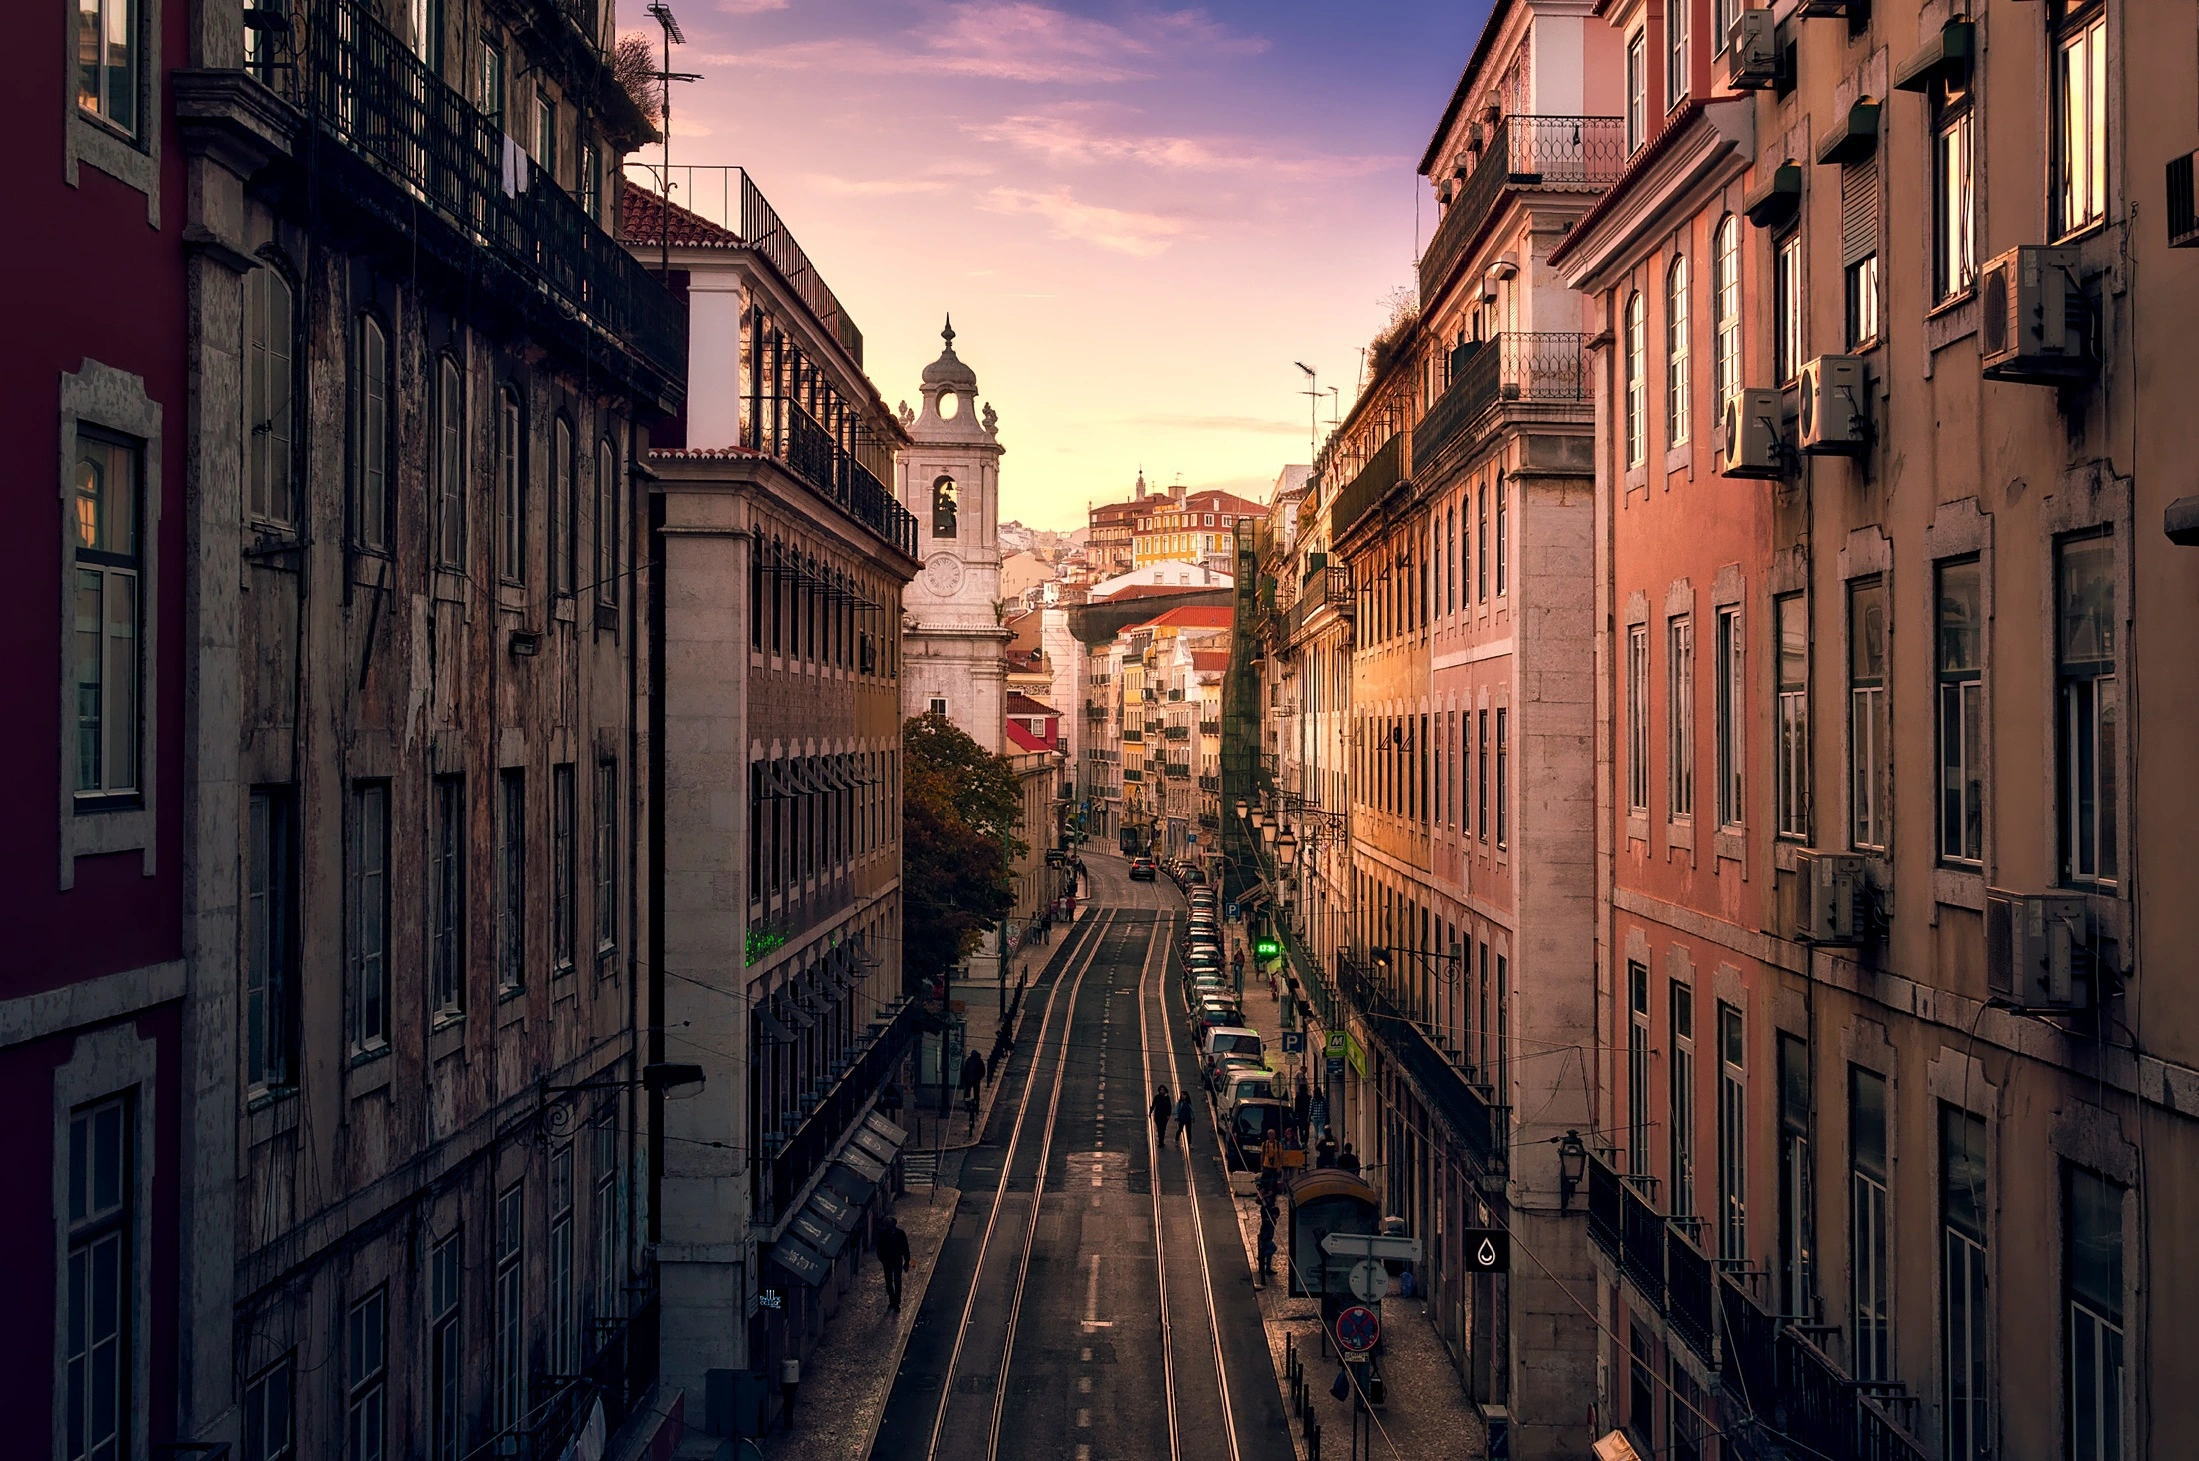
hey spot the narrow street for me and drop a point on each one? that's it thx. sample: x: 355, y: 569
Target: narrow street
x: 1086, y: 1315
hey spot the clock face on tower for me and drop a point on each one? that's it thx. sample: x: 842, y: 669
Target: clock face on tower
x: 943, y: 575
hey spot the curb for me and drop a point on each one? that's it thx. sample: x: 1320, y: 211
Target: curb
x: 912, y: 1304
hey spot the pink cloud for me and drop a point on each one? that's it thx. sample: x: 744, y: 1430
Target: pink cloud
x: 1062, y: 137
x: 1141, y: 235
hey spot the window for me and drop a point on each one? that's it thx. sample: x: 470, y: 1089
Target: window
x: 1797, y: 1228
x: 109, y: 81
x: 1503, y: 777
x: 1869, y: 754
x: 511, y: 877
x: 1861, y: 285
x: 1682, y: 1095
x: 369, y: 917
x: 270, y: 432
x: 610, y: 1255
x: 266, y: 1430
x: 1503, y: 502
x: 511, y: 490
x: 446, y: 898
x: 1792, y: 747
x: 508, y: 1355
x: 1687, y: 1410
x: 777, y: 571
x: 492, y: 83
x: 1954, y: 195
x: 1732, y: 1136
x: 366, y: 1354
x: 563, y: 567
x: 1960, y: 654
x: 101, y: 1282
x: 1637, y: 1068
x: 1676, y: 15
x: 1731, y: 730
x: 1787, y: 307
x: 1637, y: 718
x: 270, y: 930
x: 1449, y: 550
x: 1869, y: 1302
x: 446, y: 1354
x: 427, y: 32
x: 564, y: 1321
x: 1725, y: 289
x: 450, y: 465
x: 1637, y: 91
x: 545, y: 132
x: 1676, y: 374
x: 561, y: 867
x: 938, y: 705
x: 2087, y: 712
x: 1722, y: 15
x: 606, y: 856
x: 1965, y: 1359
x: 1680, y: 718
x: 1481, y: 561
x: 945, y: 500
x: 109, y: 668
x: 370, y: 425
x: 607, y: 568
x: 1481, y: 773
x: 1637, y: 427
x: 2080, y: 115
x: 2092, y: 1287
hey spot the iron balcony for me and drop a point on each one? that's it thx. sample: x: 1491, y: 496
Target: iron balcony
x: 1552, y: 154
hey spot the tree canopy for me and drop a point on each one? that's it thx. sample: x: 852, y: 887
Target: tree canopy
x: 961, y: 816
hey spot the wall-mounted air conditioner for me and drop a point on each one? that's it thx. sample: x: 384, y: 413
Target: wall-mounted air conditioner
x: 2037, y: 949
x: 1752, y: 52
x: 2034, y: 323
x: 1752, y: 445
x: 1833, y: 416
x: 1835, y: 894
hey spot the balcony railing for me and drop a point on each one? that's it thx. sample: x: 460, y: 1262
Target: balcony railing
x: 1556, y: 154
x: 1177, y: 732
x: 1329, y: 586
x: 1210, y: 727
x: 365, y: 89
x: 1210, y: 783
x: 1383, y: 471
x: 1481, y: 1126
x: 787, y: 431
x: 781, y: 1177
x: 1546, y: 367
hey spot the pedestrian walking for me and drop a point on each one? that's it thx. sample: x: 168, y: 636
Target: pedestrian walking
x: 1324, y: 1152
x: 893, y: 1257
x: 1267, y: 1243
x: 973, y: 1075
x: 1161, y: 1107
x: 1348, y: 1159
x: 1184, y: 1113
x: 790, y: 1381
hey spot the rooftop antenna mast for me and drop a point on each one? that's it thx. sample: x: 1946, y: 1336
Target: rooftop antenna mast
x: 661, y: 13
x: 1312, y: 393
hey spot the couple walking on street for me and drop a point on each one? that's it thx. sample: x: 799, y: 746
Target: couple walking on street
x: 1163, y: 1109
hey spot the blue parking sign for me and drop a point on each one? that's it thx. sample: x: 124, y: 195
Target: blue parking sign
x: 1294, y: 1041
x: 1232, y: 913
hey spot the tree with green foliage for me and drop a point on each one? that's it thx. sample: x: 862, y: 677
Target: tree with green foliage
x: 962, y: 811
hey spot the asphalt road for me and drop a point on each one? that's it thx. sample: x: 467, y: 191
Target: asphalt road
x: 1045, y: 1331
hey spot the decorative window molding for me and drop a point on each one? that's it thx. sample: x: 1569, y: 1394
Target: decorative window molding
x: 132, y: 161
x: 102, y: 397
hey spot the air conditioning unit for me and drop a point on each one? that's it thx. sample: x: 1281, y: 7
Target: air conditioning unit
x: 1833, y: 417
x: 1835, y: 892
x: 2034, y: 323
x: 1752, y: 52
x: 2036, y: 947
x: 1752, y: 445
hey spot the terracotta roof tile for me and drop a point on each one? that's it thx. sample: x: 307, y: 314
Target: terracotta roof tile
x: 641, y: 220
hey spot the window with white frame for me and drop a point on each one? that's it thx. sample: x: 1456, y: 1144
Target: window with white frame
x: 110, y: 64
x: 269, y: 420
x: 1797, y: 1179
x: 508, y: 1339
x: 606, y: 857
x: 447, y: 897
x: 1680, y: 718
x: 101, y: 1324
x: 1682, y: 1100
x: 1954, y: 189
x: 511, y: 879
x: 366, y: 1359
x: 265, y: 1429
x: 1869, y: 1173
x: 2080, y: 114
x: 607, y: 568
x: 450, y: 464
x: 1503, y: 789
x: 1637, y: 717
x: 1725, y: 290
x: 107, y: 600
x: 270, y: 938
x: 511, y: 489
x: 1787, y: 307
x: 1676, y: 16
x: 446, y: 1353
x: 1722, y: 16
x: 1637, y: 433
x: 2092, y: 1288
x: 1637, y: 91
x: 371, y: 521
x: 1791, y: 734
x: 1732, y: 1135
x: 1676, y: 353
x: 369, y: 900
x: 564, y: 1318
x: 2088, y: 739
x: 1504, y: 496
x: 1870, y: 753
x: 561, y: 867
x: 562, y: 507
x: 1960, y: 657
x: 1732, y: 719
x: 1964, y: 1315
x: 610, y: 1252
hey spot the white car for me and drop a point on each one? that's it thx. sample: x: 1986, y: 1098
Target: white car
x: 1228, y: 1046
x: 1246, y: 1083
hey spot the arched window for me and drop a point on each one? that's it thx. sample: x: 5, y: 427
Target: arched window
x: 778, y: 595
x: 1636, y: 451
x: 563, y: 568
x: 270, y: 358
x: 450, y: 464
x: 1725, y: 291
x: 945, y: 500
x: 511, y: 490
x: 370, y: 420
x: 1676, y: 373
x: 607, y: 565
x: 756, y: 591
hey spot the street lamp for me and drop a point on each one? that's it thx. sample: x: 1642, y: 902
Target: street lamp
x: 1257, y: 816
x: 1267, y: 832
x: 1286, y: 848
x: 1572, y: 1166
x: 1242, y: 806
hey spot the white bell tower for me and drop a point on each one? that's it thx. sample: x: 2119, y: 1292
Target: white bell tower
x: 953, y: 638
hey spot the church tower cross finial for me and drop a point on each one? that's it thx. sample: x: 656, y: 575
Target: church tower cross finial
x: 948, y: 333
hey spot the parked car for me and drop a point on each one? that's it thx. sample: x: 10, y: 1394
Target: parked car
x: 1247, y: 1128
x: 1212, y: 1011
x: 1247, y: 1083
x: 1227, y: 1046
x: 1193, y: 875
x: 1142, y: 870
x: 1203, y: 898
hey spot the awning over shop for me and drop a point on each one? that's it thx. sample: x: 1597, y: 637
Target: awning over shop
x: 1257, y: 893
x: 799, y: 1259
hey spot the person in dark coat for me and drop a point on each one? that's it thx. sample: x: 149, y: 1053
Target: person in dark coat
x: 893, y: 1257
x: 1324, y: 1152
x: 1161, y: 1107
x: 1184, y: 1112
x: 1348, y: 1159
x: 973, y: 1075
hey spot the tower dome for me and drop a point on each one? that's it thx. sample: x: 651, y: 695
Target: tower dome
x: 948, y: 372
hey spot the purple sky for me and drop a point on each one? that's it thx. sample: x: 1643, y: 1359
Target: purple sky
x: 1139, y: 217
